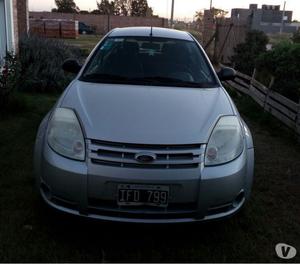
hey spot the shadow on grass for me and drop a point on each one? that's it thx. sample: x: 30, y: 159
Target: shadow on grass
x: 125, y: 242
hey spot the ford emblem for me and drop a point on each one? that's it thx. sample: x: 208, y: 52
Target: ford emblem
x: 145, y: 157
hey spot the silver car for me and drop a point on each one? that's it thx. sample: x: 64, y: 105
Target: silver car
x: 145, y: 133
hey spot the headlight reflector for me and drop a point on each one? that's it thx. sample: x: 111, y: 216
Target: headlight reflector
x: 226, y: 141
x: 65, y: 134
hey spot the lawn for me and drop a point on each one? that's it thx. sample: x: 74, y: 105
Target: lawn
x: 88, y: 42
x: 275, y: 39
x: 31, y: 232
x: 85, y: 42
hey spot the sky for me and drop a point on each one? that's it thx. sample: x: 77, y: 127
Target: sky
x: 184, y: 9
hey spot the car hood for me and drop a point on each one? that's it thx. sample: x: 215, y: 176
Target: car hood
x: 147, y: 114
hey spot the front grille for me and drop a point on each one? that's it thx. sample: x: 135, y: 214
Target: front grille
x: 123, y: 155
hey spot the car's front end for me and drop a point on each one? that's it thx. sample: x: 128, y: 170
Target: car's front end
x: 196, y: 192
x: 144, y: 153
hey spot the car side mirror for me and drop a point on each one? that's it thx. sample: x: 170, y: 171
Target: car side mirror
x: 71, y: 66
x: 226, y: 74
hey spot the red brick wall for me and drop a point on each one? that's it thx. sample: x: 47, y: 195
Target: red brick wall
x: 209, y: 29
x: 54, y: 28
x: 15, y: 20
x: 100, y: 22
x: 229, y: 36
x: 22, y: 7
x: 20, y: 19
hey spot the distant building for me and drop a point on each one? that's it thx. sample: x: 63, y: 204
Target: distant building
x: 268, y: 18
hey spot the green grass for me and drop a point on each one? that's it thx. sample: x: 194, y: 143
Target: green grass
x: 30, y: 232
x: 275, y: 39
x: 85, y: 42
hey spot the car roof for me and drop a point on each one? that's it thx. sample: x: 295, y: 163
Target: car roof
x: 146, y: 31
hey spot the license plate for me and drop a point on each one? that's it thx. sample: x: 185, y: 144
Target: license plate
x: 136, y: 195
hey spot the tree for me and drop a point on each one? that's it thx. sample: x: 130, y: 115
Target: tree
x: 66, y: 6
x: 282, y: 62
x: 199, y: 17
x: 149, y: 12
x: 296, y: 36
x: 95, y: 12
x: 106, y: 7
x: 84, y: 12
x: 245, y: 54
x: 139, y: 7
x: 219, y: 13
x: 122, y: 7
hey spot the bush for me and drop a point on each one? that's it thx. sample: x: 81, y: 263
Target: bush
x: 283, y: 63
x: 296, y: 36
x: 40, y: 62
x: 246, y: 53
x: 9, y: 74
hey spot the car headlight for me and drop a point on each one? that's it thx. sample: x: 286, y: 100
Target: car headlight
x: 65, y: 135
x: 225, y: 143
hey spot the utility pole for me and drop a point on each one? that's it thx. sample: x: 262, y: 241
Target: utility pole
x: 283, y: 17
x: 210, y: 7
x: 172, y: 13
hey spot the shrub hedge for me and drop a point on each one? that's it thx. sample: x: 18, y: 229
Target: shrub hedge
x: 40, y: 64
x: 283, y: 62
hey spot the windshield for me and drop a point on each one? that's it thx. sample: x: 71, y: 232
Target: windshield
x: 149, y: 61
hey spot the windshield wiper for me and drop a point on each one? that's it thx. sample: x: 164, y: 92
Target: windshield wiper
x: 152, y: 80
x: 175, y: 82
x: 103, y: 77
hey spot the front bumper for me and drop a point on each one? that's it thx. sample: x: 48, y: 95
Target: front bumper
x: 197, y: 194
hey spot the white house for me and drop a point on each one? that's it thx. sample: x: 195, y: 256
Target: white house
x: 13, y: 24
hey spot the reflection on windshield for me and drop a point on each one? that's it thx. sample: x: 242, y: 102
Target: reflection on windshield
x: 149, y: 61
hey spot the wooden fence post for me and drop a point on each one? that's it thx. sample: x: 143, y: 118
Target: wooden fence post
x: 251, y: 81
x: 268, y: 93
x: 253, y: 74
